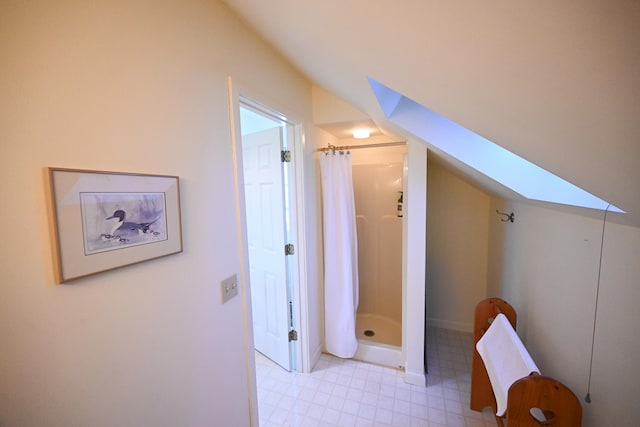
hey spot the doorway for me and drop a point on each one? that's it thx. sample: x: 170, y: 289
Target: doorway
x: 266, y: 145
x: 267, y: 151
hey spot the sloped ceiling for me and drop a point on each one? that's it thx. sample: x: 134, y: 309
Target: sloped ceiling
x: 557, y: 83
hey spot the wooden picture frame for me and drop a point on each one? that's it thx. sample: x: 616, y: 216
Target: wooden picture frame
x: 107, y: 220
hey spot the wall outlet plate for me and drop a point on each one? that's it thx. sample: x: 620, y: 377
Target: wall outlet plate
x: 229, y: 288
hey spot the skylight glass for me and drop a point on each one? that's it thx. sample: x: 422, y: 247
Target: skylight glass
x: 488, y: 158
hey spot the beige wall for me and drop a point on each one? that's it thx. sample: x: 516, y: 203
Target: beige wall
x: 142, y: 87
x: 457, y: 249
x: 136, y: 86
x: 546, y: 265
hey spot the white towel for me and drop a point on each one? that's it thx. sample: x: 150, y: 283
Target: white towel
x: 505, y: 357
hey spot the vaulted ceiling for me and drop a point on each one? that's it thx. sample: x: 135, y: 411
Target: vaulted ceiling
x: 557, y: 83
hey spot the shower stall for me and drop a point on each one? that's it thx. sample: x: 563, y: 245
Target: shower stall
x: 378, y: 192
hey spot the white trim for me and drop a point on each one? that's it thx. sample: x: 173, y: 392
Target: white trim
x: 314, y: 356
x: 415, y: 379
x: 413, y: 261
x: 234, y: 109
x: 237, y: 93
x: 304, y: 361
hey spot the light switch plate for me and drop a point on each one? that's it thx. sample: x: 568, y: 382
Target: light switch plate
x: 229, y: 288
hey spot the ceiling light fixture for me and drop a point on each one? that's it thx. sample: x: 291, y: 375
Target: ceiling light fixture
x: 361, y: 133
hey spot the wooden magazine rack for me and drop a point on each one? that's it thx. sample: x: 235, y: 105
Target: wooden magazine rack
x: 534, y: 400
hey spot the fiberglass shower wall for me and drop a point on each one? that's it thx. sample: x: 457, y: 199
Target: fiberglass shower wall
x: 377, y: 180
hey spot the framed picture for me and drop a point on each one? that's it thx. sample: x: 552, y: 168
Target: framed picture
x: 107, y: 220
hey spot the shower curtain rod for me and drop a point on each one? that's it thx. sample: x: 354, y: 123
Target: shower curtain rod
x: 333, y: 148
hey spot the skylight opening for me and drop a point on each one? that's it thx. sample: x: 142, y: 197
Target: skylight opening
x: 488, y: 158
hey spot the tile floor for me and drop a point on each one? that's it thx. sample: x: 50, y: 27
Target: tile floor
x: 343, y: 392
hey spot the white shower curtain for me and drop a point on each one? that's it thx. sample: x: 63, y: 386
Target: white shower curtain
x: 340, y: 255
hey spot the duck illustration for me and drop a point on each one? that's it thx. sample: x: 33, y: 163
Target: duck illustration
x: 123, y: 229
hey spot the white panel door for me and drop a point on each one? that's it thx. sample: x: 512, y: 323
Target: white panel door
x: 266, y: 239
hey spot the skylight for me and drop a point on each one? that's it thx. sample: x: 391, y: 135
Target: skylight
x: 499, y: 164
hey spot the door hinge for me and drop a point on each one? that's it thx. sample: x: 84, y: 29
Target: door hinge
x: 285, y: 156
x: 289, y: 249
x: 293, y: 335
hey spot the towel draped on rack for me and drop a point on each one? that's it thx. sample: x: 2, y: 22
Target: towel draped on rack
x: 505, y: 358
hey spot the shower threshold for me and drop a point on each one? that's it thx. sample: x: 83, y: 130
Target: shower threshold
x: 380, y: 354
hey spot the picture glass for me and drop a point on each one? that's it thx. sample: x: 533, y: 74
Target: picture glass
x: 107, y: 220
x: 113, y: 221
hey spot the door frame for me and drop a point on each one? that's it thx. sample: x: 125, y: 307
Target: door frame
x: 238, y: 94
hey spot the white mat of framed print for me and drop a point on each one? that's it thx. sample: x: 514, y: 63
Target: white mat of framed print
x: 107, y: 220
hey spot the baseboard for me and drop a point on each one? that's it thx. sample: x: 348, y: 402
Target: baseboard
x: 314, y: 357
x: 447, y: 324
x: 415, y: 379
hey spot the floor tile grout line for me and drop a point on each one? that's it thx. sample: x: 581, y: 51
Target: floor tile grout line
x: 315, y: 399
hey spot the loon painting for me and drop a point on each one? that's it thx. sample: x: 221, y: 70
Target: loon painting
x: 122, y: 229
x: 118, y: 220
x: 107, y: 220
